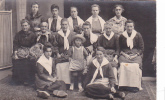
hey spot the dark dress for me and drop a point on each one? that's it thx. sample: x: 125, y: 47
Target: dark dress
x: 138, y: 48
x: 34, y: 20
x: 111, y: 46
x: 42, y: 82
x: 99, y: 90
x: 22, y: 68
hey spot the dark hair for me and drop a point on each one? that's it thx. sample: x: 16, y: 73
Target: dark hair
x: 118, y: 5
x: 42, y: 22
x: 73, y: 7
x: 99, y: 48
x: 129, y: 21
x: 64, y: 19
x: 95, y: 5
x: 34, y: 3
x: 46, y: 46
x: 87, y: 23
x: 54, y: 6
x: 24, y: 21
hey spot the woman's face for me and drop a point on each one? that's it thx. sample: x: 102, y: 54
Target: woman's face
x: 48, y: 53
x: 86, y: 29
x: 35, y: 8
x: 78, y: 42
x: 99, y: 55
x: 74, y: 12
x: 64, y: 25
x: 95, y: 11
x: 25, y: 26
x: 108, y: 30
x: 129, y: 27
x: 118, y: 11
x: 44, y: 27
x: 55, y: 12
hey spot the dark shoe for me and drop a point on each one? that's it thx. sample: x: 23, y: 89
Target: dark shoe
x: 43, y: 94
x: 60, y: 93
x: 122, y: 95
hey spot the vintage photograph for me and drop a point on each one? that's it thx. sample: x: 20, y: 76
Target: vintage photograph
x: 78, y: 50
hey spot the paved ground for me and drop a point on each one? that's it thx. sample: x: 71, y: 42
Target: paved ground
x: 11, y: 91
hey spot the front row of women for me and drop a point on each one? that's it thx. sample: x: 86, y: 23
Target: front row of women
x: 70, y: 50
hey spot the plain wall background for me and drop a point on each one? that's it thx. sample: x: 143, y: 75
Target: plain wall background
x: 142, y: 12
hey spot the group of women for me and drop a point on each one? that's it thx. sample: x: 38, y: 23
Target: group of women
x: 50, y: 52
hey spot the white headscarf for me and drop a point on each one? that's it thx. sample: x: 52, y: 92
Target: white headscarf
x: 46, y: 63
x: 99, y: 68
x: 66, y: 42
x: 130, y: 39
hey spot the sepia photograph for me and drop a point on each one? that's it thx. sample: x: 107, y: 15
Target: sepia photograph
x: 78, y: 50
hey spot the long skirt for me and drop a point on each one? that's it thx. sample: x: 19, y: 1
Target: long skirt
x: 130, y: 75
x: 63, y: 72
x: 21, y: 70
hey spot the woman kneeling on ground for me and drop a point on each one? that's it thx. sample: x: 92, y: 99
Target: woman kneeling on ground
x: 46, y: 80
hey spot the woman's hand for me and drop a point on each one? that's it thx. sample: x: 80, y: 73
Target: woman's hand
x: 134, y: 56
x: 115, y: 59
x: 15, y: 55
x: 113, y: 90
x: 58, y: 55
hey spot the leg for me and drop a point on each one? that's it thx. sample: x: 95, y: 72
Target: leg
x: 98, y: 91
x: 80, y: 81
x: 73, y: 77
x: 58, y: 85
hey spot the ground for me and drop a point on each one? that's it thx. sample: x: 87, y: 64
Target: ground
x: 12, y: 91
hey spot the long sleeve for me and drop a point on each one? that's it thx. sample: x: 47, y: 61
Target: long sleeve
x: 140, y: 44
x: 85, y: 52
x: 40, y: 72
x: 111, y: 76
x: 88, y: 76
x: 117, y: 46
x: 16, y: 44
x: 54, y: 71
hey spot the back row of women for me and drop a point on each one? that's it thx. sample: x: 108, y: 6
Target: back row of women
x: 98, y: 55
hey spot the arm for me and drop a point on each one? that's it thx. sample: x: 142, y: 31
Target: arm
x: 85, y: 52
x: 111, y: 76
x: 140, y: 44
x: 41, y: 74
x: 117, y: 45
x: 88, y: 76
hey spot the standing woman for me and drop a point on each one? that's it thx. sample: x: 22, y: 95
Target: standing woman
x: 110, y: 42
x: 118, y: 20
x: 34, y: 17
x: 97, y: 23
x: 74, y: 20
x: 63, y: 42
x: 21, y: 63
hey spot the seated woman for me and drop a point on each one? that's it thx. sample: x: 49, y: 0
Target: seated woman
x: 63, y: 42
x: 110, y: 42
x: 46, y: 80
x: 23, y: 40
x: 97, y: 23
x: 132, y: 47
x: 118, y: 20
x: 100, y: 80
